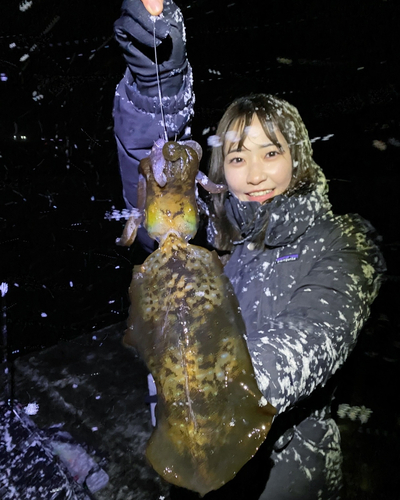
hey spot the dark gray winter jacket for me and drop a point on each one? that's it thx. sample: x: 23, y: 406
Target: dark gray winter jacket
x: 304, y: 298
x: 306, y: 295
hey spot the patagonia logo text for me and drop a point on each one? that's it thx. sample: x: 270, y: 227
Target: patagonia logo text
x: 287, y: 258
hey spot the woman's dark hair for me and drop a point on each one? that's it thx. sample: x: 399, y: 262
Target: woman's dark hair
x: 273, y: 113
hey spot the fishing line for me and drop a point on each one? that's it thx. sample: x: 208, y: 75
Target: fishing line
x: 159, y: 84
x: 8, y: 388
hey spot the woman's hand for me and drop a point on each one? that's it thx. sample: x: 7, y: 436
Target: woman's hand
x: 138, y: 30
x: 155, y: 7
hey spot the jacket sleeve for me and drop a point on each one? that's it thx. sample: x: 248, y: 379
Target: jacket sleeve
x: 138, y: 124
x: 299, y: 350
x: 137, y: 113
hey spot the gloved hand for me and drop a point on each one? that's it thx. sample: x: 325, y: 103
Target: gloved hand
x: 134, y: 31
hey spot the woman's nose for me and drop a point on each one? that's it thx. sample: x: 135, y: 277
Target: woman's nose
x: 256, y: 173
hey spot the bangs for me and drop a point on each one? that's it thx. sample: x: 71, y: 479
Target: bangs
x: 236, y: 133
x: 240, y: 128
x: 269, y: 124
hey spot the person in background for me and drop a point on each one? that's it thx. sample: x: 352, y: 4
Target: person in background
x: 304, y: 277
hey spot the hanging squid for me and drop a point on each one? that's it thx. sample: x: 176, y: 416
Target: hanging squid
x: 186, y: 324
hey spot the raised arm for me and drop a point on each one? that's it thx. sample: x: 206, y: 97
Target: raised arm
x: 136, y: 31
x: 137, y: 113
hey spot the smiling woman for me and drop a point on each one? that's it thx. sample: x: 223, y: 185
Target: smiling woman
x: 263, y: 150
x: 260, y: 169
x: 304, y: 277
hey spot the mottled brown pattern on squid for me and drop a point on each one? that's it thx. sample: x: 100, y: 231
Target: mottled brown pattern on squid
x: 186, y: 324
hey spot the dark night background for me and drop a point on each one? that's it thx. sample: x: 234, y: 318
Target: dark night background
x: 337, y: 61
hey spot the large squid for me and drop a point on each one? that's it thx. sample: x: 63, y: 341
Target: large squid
x: 186, y: 324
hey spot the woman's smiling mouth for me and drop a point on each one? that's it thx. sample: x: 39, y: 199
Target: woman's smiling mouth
x: 261, y: 196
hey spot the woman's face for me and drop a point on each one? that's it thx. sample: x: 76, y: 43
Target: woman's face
x: 260, y: 170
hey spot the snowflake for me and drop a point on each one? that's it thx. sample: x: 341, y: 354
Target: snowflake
x: 379, y: 145
x: 23, y: 6
x: 3, y: 289
x: 364, y: 415
x: 284, y: 60
x: 353, y: 412
x: 342, y: 410
x: 214, y: 141
x: 31, y: 408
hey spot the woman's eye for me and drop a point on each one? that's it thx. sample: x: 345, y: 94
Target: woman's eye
x: 272, y: 154
x: 236, y: 160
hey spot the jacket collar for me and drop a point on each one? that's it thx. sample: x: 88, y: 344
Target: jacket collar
x: 288, y: 217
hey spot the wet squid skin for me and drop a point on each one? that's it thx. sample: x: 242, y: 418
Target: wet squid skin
x: 186, y: 324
